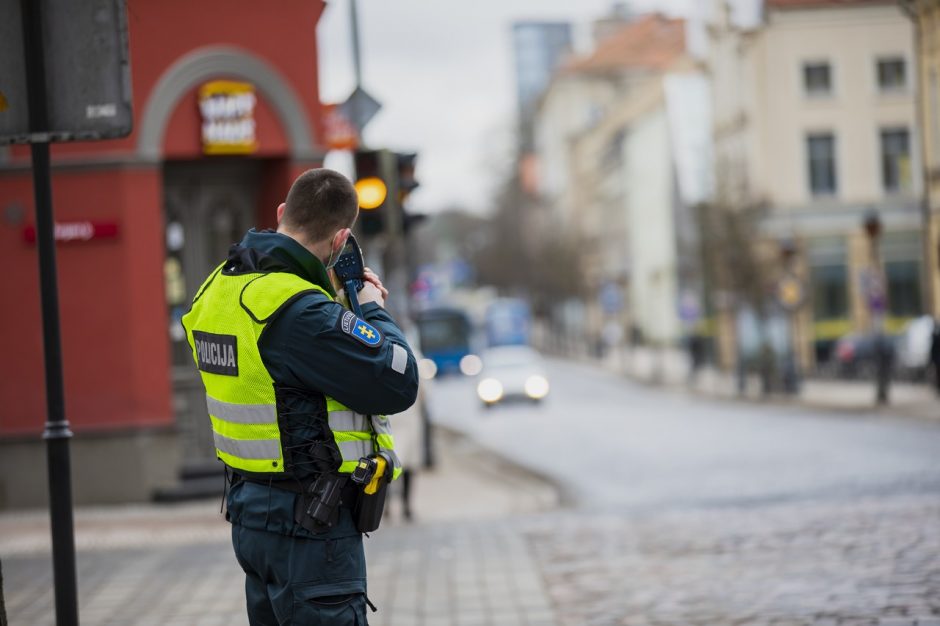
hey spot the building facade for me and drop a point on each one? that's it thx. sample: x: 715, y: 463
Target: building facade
x: 608, y: 172
x: 814, y: 124
x: 226, y: 114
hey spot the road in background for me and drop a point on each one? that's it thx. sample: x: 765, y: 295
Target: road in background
x: 692, y: 511
x: 618, y: 446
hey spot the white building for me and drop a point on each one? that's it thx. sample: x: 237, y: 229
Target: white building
x: 606, y: 142
x: 814, y: 118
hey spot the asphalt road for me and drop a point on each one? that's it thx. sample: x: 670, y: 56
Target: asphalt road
x: 618, y: 446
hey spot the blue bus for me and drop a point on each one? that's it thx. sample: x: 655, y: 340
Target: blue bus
x: 445, y: 336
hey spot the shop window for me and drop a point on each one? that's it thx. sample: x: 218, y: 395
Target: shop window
x: 892, y: 74
x: 903, y: 279
x: 896, y: 159
x: 829, y: 288
x: 817, y: 79
x: 821, y: 159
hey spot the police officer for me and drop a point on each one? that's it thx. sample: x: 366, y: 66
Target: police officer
x: 296, y: 389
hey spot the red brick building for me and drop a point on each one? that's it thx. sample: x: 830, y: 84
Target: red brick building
x: 226, y: 114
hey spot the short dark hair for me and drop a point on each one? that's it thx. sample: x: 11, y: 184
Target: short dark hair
x: 319, y: 203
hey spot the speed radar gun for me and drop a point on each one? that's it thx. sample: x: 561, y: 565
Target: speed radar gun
x: 373, y: 473
x: 350, y: 270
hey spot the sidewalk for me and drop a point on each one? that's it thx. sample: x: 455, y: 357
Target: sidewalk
x: 670, y: 368
x: 456, y: 565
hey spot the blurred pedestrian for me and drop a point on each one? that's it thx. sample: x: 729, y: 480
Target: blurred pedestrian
x: 409, y: 440
x: 295, y: 387
x: 696, y: 347
x: 935, y: 353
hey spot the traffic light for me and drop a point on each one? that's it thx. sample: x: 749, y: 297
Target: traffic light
x: 406, y: 174
x: 372, y: 185
x: 384, y: 180
x: 406, y: 184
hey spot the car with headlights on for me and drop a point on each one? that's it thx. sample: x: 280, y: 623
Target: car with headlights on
x: 512, y: 373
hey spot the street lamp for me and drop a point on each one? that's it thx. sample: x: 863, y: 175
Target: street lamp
x: 877, y: 301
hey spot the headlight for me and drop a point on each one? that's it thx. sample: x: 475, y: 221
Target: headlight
x: 427, y: 369
x: 471, y: 365
x: 536, y: 387
x: 490, y: 390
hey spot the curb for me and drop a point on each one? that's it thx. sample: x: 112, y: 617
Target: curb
x: 549, y: 492
x: 928, y: 413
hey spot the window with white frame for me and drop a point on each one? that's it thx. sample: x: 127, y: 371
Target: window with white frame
x: 892, y: 74
x: 821, y: 160
x: 896, y: 159
x: 817, y: 78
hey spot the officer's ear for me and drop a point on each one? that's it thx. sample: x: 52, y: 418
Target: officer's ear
x: 339, y: 239
x: 280, y: 212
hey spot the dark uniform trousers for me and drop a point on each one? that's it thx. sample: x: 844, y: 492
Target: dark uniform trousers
x: 294, y: 577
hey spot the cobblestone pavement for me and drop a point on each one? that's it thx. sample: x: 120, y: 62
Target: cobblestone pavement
x: 173, y: 565
x: 873, y: 562
x: 426, y: 575
x: 197, y: 584
x: 868, y: 562
x: 463, y: 575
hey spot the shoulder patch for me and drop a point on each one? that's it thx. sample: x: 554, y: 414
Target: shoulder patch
x: 360, y: 330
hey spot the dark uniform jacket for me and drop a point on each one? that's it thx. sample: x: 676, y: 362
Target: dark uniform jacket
x: 305, y: 347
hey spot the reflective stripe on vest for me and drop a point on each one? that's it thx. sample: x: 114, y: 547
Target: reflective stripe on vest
x: 384, y: 440
x: 242, y: 413
x: 345, y: 420
x: 254, y: 449
x: 347, y: 425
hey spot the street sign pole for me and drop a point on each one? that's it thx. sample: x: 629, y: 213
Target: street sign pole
x: 357, y: 62
x: 57, y: 433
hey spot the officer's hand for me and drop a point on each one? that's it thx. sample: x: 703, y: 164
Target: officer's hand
x: 371, y: 293
x: 372, y: 277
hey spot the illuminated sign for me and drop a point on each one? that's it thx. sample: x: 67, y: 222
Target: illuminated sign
x: 73, y: 232
x: 339, y: 132
x: 228, y: 117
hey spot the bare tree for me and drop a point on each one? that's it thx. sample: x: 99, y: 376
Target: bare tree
x: 528, y: 256
x: 739, y: 267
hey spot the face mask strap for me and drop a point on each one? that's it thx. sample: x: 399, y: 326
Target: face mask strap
x: 330, y: 262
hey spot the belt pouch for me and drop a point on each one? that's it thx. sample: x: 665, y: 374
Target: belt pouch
x: 370, y: 506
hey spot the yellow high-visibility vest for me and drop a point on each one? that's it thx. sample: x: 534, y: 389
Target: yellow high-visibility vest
x: 229, y: 313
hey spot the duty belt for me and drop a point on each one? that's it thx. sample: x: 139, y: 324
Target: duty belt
x: 349, y: 493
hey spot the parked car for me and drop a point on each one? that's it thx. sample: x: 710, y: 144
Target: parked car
x: 511, y: 373
x: 913, y: 347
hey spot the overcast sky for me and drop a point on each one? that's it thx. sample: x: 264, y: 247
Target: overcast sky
x: 443, y: 71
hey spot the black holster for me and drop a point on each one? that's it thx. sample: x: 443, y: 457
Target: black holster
x: 317, y: 509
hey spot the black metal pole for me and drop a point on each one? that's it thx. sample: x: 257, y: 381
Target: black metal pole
x: 3, y: 608
x: 356, y: 52
x: 357, y: 64
x: 57, y: 433
x: 883, y: 350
